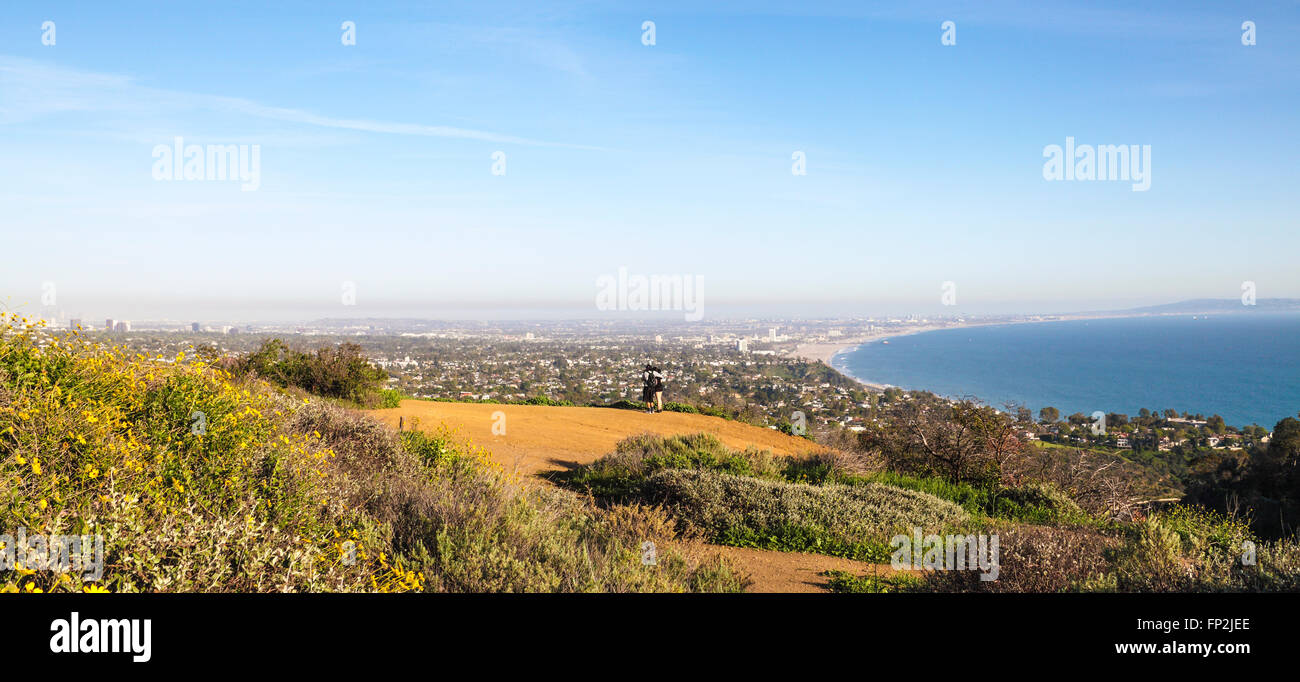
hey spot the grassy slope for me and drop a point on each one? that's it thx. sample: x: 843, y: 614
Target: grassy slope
x: 753, y: 498
x: 266, y: 493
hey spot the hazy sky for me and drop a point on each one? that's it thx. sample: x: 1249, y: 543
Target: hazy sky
x: 924, y: 161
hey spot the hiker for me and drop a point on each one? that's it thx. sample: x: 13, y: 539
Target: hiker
x: 652, y: 391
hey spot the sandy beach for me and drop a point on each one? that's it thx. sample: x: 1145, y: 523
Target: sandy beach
x: 824, y: 352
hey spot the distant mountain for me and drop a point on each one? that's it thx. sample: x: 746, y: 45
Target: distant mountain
x: 1222, y: 305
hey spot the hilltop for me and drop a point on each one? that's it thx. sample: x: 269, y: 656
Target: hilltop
x: 536, y: 439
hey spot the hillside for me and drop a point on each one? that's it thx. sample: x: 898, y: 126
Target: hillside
x: 194, y: 480
x: 539, y: 439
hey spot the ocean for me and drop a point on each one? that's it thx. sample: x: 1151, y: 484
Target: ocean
x: 1244, y: 367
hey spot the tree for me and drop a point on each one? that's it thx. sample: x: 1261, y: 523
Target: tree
x: 1266, y: 483
x: 340, y: 371
x: 962, y: 441
x: 1049, y: 415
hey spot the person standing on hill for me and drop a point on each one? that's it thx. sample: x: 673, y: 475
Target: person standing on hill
x: 652, y: 391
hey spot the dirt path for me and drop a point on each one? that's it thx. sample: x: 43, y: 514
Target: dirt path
x: 794, y: 572
x: 541, y: 439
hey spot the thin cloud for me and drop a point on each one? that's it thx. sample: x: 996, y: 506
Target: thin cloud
x: 30, y: 90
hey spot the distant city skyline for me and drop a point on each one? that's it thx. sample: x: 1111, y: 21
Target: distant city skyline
x: 496, y: 160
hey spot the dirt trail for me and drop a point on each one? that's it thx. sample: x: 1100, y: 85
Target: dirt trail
x: 541, y: 439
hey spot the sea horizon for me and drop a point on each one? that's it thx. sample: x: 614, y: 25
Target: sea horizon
x: 1035, y: 364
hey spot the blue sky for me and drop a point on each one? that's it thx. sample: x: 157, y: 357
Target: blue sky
x: 924, y: 161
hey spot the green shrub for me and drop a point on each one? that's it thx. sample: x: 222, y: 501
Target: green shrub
x: 851, y: 521
x: 847, y: 583
x: 545, y: 401
x: 391, y: 398
x: 1034, y: 502
x: 620, y: 475
x: 1194, y: 549
x: 341, y: 371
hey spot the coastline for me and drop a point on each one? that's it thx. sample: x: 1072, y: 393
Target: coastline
x: 826, y: 352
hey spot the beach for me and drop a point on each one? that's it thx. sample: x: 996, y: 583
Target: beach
x: 826, y: 351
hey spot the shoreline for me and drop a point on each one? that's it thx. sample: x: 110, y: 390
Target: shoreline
x: 826, y: 352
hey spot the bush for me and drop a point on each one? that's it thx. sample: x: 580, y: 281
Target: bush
x: 1035, y: 559
x: 847, y: 583
x: 851, y: 521
x: 340, y: 372
x: 620, y: 475
x: 391, y: 398
x: 1037, y: 502
x: 546, y: 401
x: 1040, y: 503
x: 1193, y: 549
x: 1184, y: 549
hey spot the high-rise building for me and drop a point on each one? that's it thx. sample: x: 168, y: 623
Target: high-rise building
x: 109, y: 324
x: 742, y: 345
x: 771, y: 333
x: 122, y: 326
x: 194, y: 326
